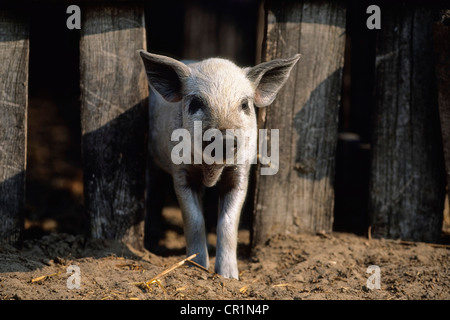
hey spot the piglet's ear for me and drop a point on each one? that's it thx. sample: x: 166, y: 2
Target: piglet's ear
x: 165, y: 74
x: 269, y: 77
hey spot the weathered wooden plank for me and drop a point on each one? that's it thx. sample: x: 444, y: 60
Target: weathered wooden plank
x: 14, y: 53
x: 441, y: 36
x: 300, y: 197
x: 407, y: 178
x: 114, y: 120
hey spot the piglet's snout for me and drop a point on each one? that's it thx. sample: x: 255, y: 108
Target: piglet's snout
x: 225, y: 152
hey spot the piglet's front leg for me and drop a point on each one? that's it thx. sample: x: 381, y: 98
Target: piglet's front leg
x: 232, y: 191
x: 190, y: 202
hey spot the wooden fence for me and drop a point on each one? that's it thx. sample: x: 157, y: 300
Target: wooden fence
x: 392, y: 92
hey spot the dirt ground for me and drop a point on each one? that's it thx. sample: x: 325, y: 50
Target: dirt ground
x: 323, y: 266
x: 331, y: 266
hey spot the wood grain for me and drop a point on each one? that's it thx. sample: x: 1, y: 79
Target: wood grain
x: 14, y: 53
x: 407, y: 177
x: 114, y: 120
x: 300, y: 197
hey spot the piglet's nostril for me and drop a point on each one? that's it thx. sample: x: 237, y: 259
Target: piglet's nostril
x: 229, y: 147
x: 226, y: 151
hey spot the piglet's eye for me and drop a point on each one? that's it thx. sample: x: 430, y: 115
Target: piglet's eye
x: 245, y: 107
x: 195, y: 105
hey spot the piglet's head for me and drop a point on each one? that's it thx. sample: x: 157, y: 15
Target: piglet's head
x: 215, y: 91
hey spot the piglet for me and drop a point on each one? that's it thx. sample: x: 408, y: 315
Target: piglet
x: 209, y: 101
